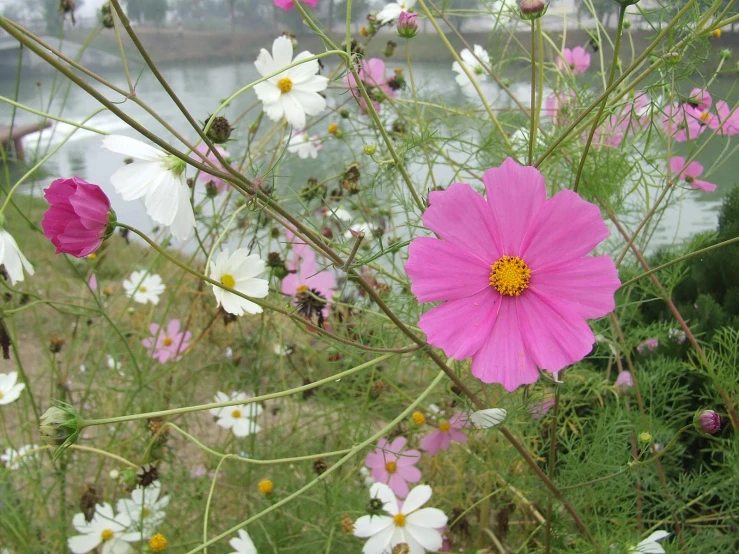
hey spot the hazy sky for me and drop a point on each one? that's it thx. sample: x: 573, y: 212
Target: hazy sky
x: 88, y: 8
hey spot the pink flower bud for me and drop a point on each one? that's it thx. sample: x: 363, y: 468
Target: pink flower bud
x: 708, y: 422
x: 532, y: 7
x: 79, y: 217
x: 407, y: 25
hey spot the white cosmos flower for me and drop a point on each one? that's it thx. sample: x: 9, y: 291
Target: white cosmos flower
x: 342, y: 214
x: 223, y: 397
x: 14, y: 459
x: 158, y: 178
x: 144, y: 287
x: 473, y: 65
x: 10, y: 390
x: 417, y: 527
x: 242, y: 544
x: 238, y: 271
x: 484, y: 419
x: 649, y: 545
x: 293, y: 93
x: 304, y: 145
x: 391, y: 11
x: 238, y: 419
x: 106, y: 528
x: 12, y: 258
x: 145, y: 509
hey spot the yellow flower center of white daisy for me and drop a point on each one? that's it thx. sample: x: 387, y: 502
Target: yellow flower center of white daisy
x: 167, y: 341
x: 146, y: 512
x: 399, y: 520
x: 236, y: 414
x: 285, y: 84
x: 106, y: 535
x: 228, y: 280
x: 444, y: 426
x: 391, y: 467
x: 510, y: 276
x: 142, y: 289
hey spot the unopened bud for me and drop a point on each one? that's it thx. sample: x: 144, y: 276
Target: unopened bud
x: 532, y: 9
x: 407, y: 25
x: 707, y: 422
x: 390, y: 48
x: 60, y: 426
x: 370, y: 149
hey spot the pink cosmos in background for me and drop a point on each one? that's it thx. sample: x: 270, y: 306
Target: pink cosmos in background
x: 576, y: 60
x: 685, y: 122
x: 648, y: 345
x: 609, y: 134
x: 727, y: 121
x: 561, y: 106
x: 306, y: 275
x: 637, y: 114
x: 372, y: 74
x: 513, y: 275
x: 93, y: 282
x: 448, y: 432
x: 206, y: 153
x: 288, y: 5
x: 690, y: 174
x: 700, y: 99
x: 540, y: 408
x: 394, y: 466
x: 167, y: 344
x: 624, y: 380
x: 78, y: 216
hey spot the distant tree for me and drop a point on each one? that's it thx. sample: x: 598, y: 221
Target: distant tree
x: 155, y: 11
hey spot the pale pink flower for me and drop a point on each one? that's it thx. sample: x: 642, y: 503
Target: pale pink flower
x: 393, y: 465
x: 684, y: 122
x: 93, y: 282
x: 700, y: 98
x: 624, y: 380
x: 206, y: 153
x: 288, y: 5
x: 648, y: 345
x: 513, y: 274
x: 305, y: 275
x: 448, y: 432
x: 576, y: 60
x: 727, y: 121
x: 540, y: 408
x: 561, y: 106
x: 198, y: 471
x: 372, y: 73
x: 167, y: 344
x: 608, y: 135
x: 690, y: 174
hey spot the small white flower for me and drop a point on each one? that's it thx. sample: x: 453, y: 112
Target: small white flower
x: 144, y: 287
x: 106, y: 528
x: 238, y: 419
x: 83, y: 369
x: 112, y: 363
x: 223, y: 397
x: 242, y: 544
x: 417, y: 527
x: 157, y: 177
x: 304, y: 145
x: 280, y: 350
x: 649, y: 545
x: 114, y: 474
x: 391, y: 11
x: 14, y: 459
x: 485, y: 419
x: 238, y: 271
x: 228, y: 352
x: 145, y: 509
x: 366, y: 476
x: 9, y: 390
x: 473, y: 65
x: 292, y: 93
x: 360, y: 227
x: 341, y: 214
x: 12, y: 258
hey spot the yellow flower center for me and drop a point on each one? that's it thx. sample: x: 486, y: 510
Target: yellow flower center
x: 705, y: 115
x: 106, y: 535
x: 333, y: 128
x: 418, y: 418
x: 236, y: 414
x: 285, y: 84
x: 444, y: 426
x: 717, y: 33
x: 92, y: 256
x: 302, y: 288
x: 142, y: 289
x: 689, y: 179
x: 167, y: 341
x: 399, y: 520
x: 266, y: 486
x: 158, y: 543
x: 391, y: 467
x: 228, y: 280
x: 510, y: 276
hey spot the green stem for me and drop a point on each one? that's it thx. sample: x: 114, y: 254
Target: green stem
x: 532, y: 130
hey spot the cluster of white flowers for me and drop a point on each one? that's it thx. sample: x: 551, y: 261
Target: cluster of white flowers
x: 134, y: 519
x: 240, y: 417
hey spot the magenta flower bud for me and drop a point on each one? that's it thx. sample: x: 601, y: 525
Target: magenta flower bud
x: 79, y: 217
x: 707, y: 422
x: 407, y: 25
x: 532, y: 9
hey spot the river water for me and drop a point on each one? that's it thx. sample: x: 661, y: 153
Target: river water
x: 202, y: 87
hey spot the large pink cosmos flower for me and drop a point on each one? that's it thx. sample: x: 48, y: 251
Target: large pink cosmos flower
x: 700, y: 98
x: 395, y: 467
x: 288, y: 5
x: 372, y: 74
x: 513, y: 274
x: 690, y: 173
x: 727, y: 121
x: 206, y: 153
x: 79, y: 217
x: 685, y: 122
x: 167, y: 344
x: 577, y: 60
x: 448, y: 432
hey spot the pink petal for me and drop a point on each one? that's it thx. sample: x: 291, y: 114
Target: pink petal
x: 677, y: 164
x: 702, y: 185
x: 398, y: 484
x: 173, y: 327
x: 407, y: 458
x: 432, y: 442
x: 503, y: 358
x: 460, y: 326
x: 555, y: 335
x: 380, y: 474
x: 397, y: 444
x: 457, y: 436
x: 566, y: 228
x: 587, y: 285
x: 409, y: 473
x: 515, y: 194
x: 374, y: 460
x: 461, y: 216
x: 694, y: 169
x: 441, y: 271
x: 459, y: 420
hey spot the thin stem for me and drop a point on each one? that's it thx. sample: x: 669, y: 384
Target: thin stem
x: 532, y: 130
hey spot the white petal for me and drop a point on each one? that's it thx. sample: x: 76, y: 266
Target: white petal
x: 484, y: 419
x: 184, y: 221
x: 432, y: 518
x: 294, y: 112
x: 274, y: 110
x: 304, y: 71
x: 135, y: 180
x: 656, y: 536
x: 81, y: 544
x: 418, y: 496
x: 282, y: 52
x: 379, y: 543
x: 161, y: 201
x: 256, y: 288
x: 267, y: 92
x: 312, y: 103
x: 131, y: 147
x: 264, y: 64
x: 366, y: 526
x: 389, y: 13
x: 386, y: 494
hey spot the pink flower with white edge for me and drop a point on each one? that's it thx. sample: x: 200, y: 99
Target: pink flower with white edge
x: 690, y: 174
x: 79, y: 217
x: 410, y: 523
x: 372, y: 73
x: 449, y: 431
x: 576, y: 60
x: 513, y: 274
x: 205, y: 153
x: 393, y: 465
x: 727, y: 120
x: 167, y: 344
x: 288, y: 5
